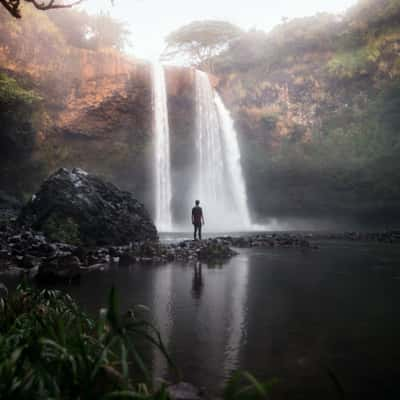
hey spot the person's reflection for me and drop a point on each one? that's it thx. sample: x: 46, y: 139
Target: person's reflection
x: 197, y: 286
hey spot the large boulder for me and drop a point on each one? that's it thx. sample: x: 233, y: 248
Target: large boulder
x: 75, y: 207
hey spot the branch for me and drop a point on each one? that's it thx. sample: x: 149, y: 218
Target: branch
x: 13, y: 6
x: 50, y: 4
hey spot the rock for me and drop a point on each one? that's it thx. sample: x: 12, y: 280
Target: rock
x: 75, y: 207
x: 127, y: 259
x: 65, y: 268
x: 28, y: 262
x: 3, y: 291
x: 184, y: 391
x: 267, y: 240
x: 9, y: 202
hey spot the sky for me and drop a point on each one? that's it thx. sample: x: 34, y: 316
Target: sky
x: 151, y: 20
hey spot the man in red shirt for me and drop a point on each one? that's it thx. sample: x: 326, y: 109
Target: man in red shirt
x: 197, y: 219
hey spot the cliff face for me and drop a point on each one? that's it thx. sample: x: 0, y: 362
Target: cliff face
x: 314, y: 102
x: 95, y: 108
x: 97, y: 114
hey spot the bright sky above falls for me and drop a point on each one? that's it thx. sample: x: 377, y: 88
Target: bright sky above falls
x: 151, y: 20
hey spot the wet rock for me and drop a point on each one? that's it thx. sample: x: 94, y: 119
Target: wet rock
x: 29, y: 262
x: 76, y: 207
x: 127, y: 259
x: 267, y: 240
x: 155, y: 252
x: 64, y: 269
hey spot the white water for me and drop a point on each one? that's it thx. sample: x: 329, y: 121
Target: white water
x: 218, y: 181
x: 162, y: 162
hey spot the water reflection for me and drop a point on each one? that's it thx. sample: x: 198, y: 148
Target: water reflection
x: 197, y: 285
x: 237, y: 321
x: 277, y: 312
x: 162, y: 314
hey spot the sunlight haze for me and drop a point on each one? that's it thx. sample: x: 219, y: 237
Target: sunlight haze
x: 151, y: 20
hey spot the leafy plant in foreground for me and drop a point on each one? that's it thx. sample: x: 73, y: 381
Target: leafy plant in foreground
x: 50, y: 349
x: 244, y: 386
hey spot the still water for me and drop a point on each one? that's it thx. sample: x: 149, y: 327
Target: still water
x: 299, y: 315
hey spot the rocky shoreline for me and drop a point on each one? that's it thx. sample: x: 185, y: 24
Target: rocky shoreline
x: 28, y: 251
x: 78, y: 223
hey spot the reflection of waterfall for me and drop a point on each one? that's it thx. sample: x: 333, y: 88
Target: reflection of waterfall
x: 162, y: 162
x: 162, y: 315
x: 237, y: 320
x: 219, y: 182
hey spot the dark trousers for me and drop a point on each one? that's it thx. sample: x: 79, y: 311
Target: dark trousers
x: 197, y: 228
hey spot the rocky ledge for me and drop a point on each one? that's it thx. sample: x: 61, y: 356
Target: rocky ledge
x: 267, y: 240
x: 30, y: 251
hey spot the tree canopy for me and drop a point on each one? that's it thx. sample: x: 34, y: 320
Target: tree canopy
x: 199, y: 41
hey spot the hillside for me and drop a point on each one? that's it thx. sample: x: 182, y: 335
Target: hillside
x: 316, y: 102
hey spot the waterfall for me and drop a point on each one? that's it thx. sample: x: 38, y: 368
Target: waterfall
x: 218, y: 181
x: 162, y: 162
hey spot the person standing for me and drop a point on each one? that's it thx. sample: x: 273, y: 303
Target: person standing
x: 197, y: 219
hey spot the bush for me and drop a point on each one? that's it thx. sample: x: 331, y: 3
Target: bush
x: 62, y: 229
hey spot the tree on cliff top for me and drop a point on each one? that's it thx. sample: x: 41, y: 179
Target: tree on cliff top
x: 199, y: 41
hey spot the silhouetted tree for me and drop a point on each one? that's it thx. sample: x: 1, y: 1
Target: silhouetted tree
x: 200, y: 41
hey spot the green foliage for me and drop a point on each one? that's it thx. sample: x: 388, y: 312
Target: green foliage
x: 62, y: 229
x: 12, y: 95
x: 244, y: 386
x: 350, y: 165
x: 50, y: 349
x: 18, y: 109
x: 347, y: 65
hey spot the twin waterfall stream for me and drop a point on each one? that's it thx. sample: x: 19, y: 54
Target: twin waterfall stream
x: 217, y: 180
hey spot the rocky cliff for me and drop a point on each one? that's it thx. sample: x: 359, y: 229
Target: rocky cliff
x: 314, y: 102
x: 95, y: 110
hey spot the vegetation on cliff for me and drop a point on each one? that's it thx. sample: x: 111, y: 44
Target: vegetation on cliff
x: 17, y: 111
x: 315, y: 101
x: 200, y: 41
x: 85, y: 71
